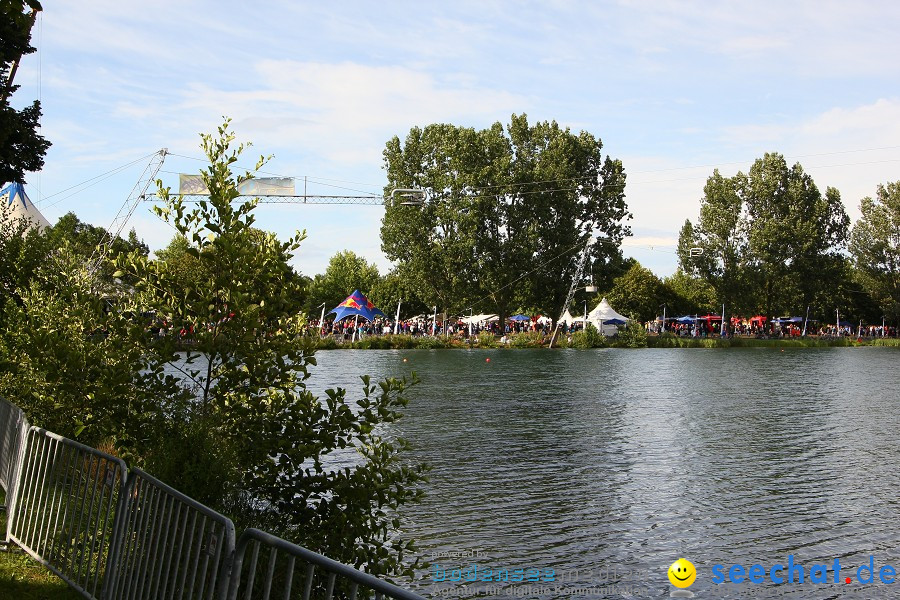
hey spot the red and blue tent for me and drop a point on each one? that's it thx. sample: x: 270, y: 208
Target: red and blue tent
x: 356, y: 304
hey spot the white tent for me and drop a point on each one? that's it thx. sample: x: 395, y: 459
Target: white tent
x: 20, y: 206
x: 604, y: 312
x: 475, y: 319
x: 567, y: 319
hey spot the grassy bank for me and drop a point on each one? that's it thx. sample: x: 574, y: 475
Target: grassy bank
x: 533, y: 340
x: 23, y: 578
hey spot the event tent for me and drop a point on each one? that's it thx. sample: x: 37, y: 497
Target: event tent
x: 356, y: 304
x: 21, y: 207
x: 603, y: 316
x: 476, y: 319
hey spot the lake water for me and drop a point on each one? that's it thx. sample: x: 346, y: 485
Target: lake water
x: 605, y: 466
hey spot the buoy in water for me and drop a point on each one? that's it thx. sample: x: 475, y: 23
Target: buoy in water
x: 404, y: 360
x: 487, y: 360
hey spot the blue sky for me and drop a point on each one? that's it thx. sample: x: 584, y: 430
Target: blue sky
x: 674, y: 89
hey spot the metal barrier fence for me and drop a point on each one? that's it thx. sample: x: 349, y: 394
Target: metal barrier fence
x: 286, y: 562
x: 11, y: 418
x: 168, y: 545
x: 65, y: 505
x: 112, y: 534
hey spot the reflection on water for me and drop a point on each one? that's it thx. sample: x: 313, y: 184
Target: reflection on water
x: 608, y: 465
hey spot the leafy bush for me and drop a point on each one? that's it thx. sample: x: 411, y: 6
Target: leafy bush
x: 527, y: 339
x: 428, y: 342
x: 588, y: 337
x: 632, y: 335
x: 486, y: 339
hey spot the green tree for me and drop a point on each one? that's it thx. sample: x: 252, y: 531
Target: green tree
x: 253, y: 441
x: 393, y: 288
x: 875, y: 247
x: 638, y: 293
x: 507, y: 211
x: 688, y: 295
x: 346, y: 272
x: 22, y: 149
x: 73, y: 360
x: 22, y: 251
x: 771, y: 240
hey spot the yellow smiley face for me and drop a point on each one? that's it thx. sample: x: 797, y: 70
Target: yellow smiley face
x: 682, y: 573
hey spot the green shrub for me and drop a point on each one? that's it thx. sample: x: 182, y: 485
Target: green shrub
x: 486, y: 339
x: 432, y: 342
x: 589, y: 337
x: 632, y: 335
x: 528, y: 339
x: 403, y: 341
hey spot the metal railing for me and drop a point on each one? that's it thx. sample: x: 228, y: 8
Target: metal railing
x: 65, y: 505
x: 316, y: 576
x: 12, y: 424
x: 168, y: 545
x: 115, y: 534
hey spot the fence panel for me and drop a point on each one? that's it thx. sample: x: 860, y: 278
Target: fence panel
x: 267, y: 567
x: 66, y: 500
x: 11, y: 419
x: 168, y: 546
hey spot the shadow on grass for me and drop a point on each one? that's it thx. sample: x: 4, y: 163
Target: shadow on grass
x: 23, y: 578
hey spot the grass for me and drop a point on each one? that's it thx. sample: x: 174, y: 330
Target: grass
x: 23, y: 578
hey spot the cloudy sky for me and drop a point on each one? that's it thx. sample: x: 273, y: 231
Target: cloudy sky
x: 674, y: 90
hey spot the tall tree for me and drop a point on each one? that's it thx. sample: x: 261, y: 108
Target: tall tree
x: 507, y: 211
x: 638, y: 293
x: 771, y: 240
x: 875, y: 246
x: 22, y: 149
x: 346, y: 271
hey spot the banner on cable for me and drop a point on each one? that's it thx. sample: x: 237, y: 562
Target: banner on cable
x: 258, y: 186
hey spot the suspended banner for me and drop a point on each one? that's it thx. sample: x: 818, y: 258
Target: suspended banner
x: 268, y: 186
x: 191, y: 184
x: 258, y: 186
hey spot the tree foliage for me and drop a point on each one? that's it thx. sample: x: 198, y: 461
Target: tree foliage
x: 875, y: 246
x: 771, y: 240
x: 22, y: 149
x: 346, y: 272
x: 638, y: 293
x: 507, y: 211
x: 250, y: 439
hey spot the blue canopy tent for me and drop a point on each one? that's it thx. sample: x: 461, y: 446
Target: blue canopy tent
x: 356, y: 304
x: 520, y: 318
x: 686, y: 319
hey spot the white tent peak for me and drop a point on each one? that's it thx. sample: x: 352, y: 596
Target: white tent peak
x: 604, y: 312
x: 21, y: 207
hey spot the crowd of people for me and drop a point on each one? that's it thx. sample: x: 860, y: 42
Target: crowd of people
x: 350, y: 328
x: 703, y: 327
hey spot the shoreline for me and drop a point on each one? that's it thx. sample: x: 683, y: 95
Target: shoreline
x: 403, y: 342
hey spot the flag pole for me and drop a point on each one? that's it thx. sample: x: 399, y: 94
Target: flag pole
x: 434, y: 322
